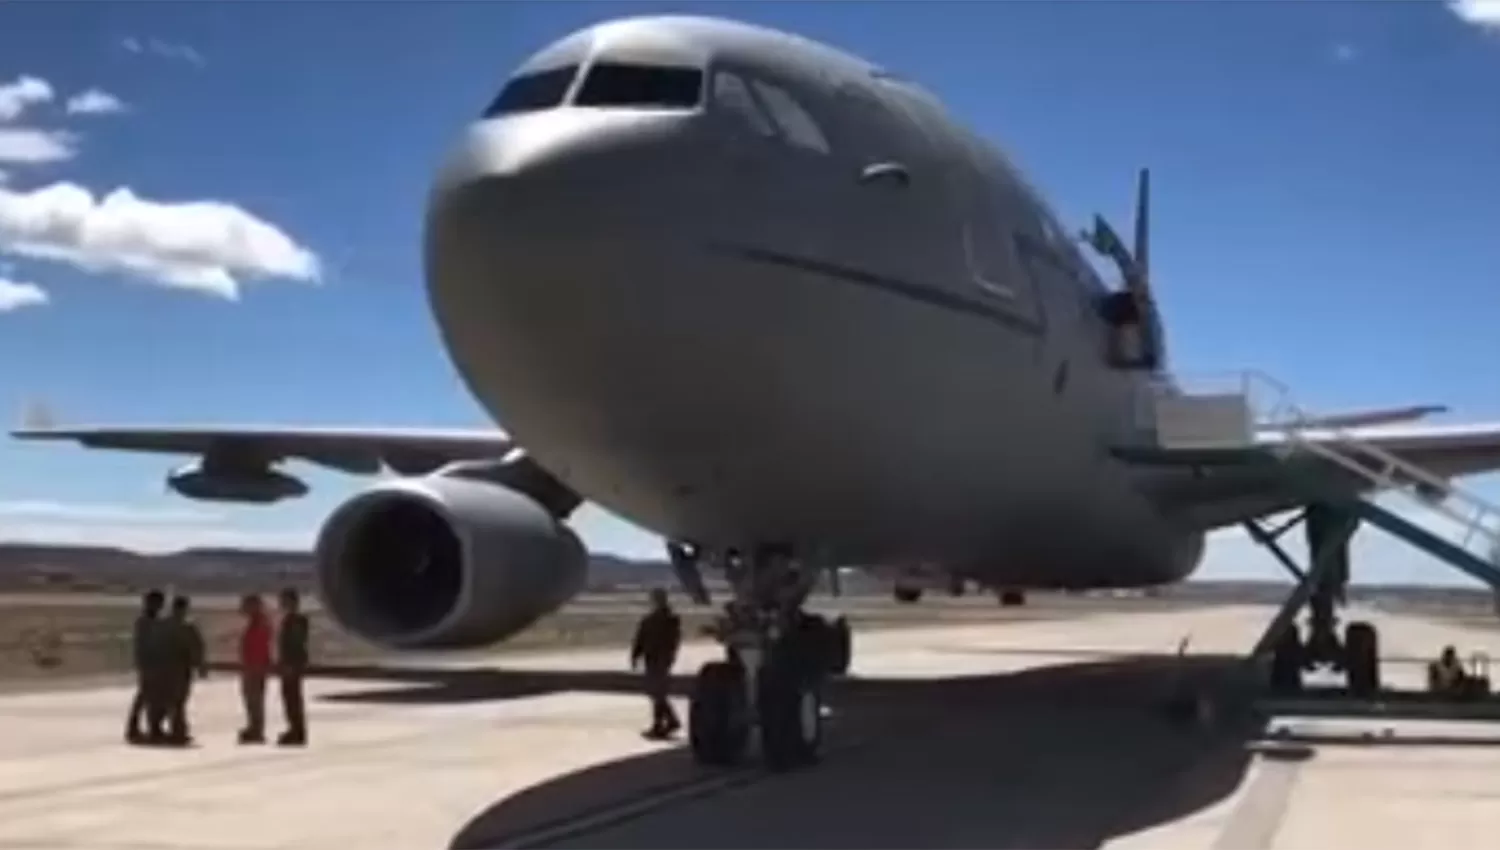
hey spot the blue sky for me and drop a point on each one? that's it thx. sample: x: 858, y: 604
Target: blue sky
x: 1327, y: 182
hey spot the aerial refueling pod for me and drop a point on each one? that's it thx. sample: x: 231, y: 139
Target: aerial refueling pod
x: 262, y: 485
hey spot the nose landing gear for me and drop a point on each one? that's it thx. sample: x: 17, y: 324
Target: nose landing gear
x: 778, y: 661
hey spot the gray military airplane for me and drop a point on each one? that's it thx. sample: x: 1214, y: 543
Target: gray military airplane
x: 775, y: 304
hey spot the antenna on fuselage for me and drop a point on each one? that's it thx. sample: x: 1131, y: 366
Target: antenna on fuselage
x: 1142, y: 251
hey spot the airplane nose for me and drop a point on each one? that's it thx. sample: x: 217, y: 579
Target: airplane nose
x: 524, y: 146
x: 557, y: 156
x: 545, y: 240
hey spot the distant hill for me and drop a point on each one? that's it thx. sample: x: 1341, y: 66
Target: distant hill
x: 104, y: 568
x: 29, y: 566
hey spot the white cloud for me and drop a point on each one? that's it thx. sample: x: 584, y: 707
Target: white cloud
x: 163, y: 49
x: 94, y: 102
x: 1484, y: 14
x: 1344, y: 52
x: 14, y: 295
x: 16, y: 97
x: 103, y: 512
x: 206, y: 246
x: 32, y: 146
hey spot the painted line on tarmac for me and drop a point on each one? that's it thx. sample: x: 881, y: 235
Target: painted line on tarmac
x: 1256, y: 819
x: 614, y: 813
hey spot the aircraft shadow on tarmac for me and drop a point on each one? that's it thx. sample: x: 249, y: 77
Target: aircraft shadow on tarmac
x: 1064, y: 756
x: 438, y: 685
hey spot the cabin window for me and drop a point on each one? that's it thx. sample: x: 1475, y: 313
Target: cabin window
x: 731, y: 93
x: 533, y: 91
x: 796, y: 124
x: 652, y: 86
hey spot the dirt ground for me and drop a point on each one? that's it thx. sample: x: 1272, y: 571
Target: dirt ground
x: 92, y: 637
x: 71, y: 637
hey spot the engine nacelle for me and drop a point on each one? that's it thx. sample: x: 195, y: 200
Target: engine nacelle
x: 445, y: 563
x: 260, y: 486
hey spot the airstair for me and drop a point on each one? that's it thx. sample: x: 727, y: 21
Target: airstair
x: 1251, y: 421
x: 1250, y: 417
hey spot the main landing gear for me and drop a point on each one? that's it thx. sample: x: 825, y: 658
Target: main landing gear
x: 1320, y: 589
x: 778, y: 660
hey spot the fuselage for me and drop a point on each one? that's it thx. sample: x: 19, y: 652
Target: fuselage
x: 740, y: 287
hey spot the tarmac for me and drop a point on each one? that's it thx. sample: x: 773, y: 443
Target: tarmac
x: 1028, y: 733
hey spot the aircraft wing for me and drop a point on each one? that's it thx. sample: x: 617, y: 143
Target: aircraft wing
x: 1232, y: 485
x: 353, y: 450
x: 1363, y: 418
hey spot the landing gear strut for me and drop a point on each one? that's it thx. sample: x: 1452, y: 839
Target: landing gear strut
x: 778, y: 660
x: 1320, y: 589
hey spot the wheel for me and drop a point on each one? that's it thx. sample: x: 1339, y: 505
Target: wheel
x: 1012, y: 598
x: 907, y: 595
x: 843, y: 647
x: 1286, y: 663
x: 718, y: 720
x: 1362, y: 659
x: 814, y: 638
x: 790, y: 709
x: 957, y: 586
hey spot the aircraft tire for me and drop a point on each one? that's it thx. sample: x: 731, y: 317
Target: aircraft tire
x: 1362, y: 659
x: 1012, y: 598
x: 907, y: 595
x: 790, y: 709
x: 718, y: 720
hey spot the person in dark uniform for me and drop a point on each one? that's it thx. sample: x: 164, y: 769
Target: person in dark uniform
x: 657, y: 639
x: 185, y: 656
x: 292, y: 659
x: 146, y: 652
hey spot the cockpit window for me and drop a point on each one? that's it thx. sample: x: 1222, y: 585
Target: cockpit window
x: 532, y: 92
x: 799, y: 127
x: 731, y: 93
x: 619, y: 84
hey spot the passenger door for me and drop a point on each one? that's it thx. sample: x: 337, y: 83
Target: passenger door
x: 1000, y: 246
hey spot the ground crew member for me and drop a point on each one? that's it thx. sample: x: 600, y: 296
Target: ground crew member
x: 657, y: 639
x: 292, y: 660
x: 184, y: 655
x: 146, y: 654
x: 255, y: 667
x: 1447, y: 673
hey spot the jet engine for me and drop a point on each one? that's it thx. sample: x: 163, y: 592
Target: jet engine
x: 445, y: 563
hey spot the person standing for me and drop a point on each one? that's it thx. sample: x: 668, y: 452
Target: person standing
x: 255, y: 667
x: 292, y: 660
x: 657, y: 640
x: 185, y: 656
x: 146, y: 654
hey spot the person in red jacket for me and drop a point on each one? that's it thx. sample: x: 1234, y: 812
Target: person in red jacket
x: 255, y: 668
